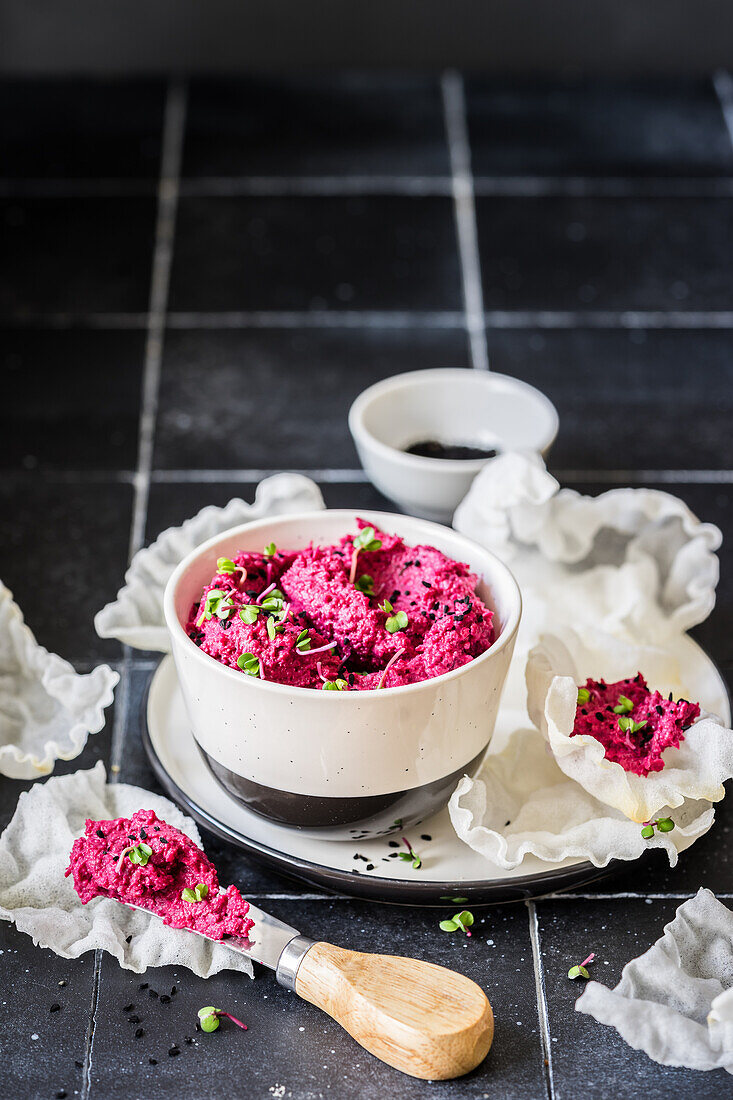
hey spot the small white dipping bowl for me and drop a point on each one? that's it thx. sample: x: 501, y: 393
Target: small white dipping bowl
x: 349, y: 764
x: 449, y: 406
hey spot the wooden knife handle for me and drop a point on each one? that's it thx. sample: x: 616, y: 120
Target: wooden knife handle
x: 420, y: 1018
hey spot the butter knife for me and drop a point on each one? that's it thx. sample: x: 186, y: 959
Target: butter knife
x: 422, y: 1019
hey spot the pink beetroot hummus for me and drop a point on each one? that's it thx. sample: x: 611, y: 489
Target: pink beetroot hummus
x: 103, y: 865
x: 343, y: 617
x: 634, y: 725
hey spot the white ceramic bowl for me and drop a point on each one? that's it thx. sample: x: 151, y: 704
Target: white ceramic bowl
x: 451, y: 406
x: 347, y: 764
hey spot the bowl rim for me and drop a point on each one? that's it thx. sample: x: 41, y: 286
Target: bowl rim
x: 420, y: 462
x: 177, y: 631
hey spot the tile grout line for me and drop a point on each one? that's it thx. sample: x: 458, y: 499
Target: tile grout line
x: 542, y: 1010
x: 394, y: 320
x: 346, y: 186
x: 352, y: 476
x: 172, y: 144
x: 459, y: 149
x: 723, y: 85
x: 173, y: 128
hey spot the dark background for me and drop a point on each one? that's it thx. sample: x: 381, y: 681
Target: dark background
x: 199, y: 273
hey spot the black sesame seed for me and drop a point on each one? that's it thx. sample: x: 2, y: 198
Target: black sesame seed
x: 393, y: 843
x: 78, y: 1064
x: 128, y: 1008
x: 173, y: 1052
x: 426, y: 584
x: 599, y: 715
x: 163, y: 840
x: 128, y: 939
x: 143, y: 985
x: 100, y: 833
x: 173, y: 991
x: 370, y: 866
x: 152, y: 993
x: 143, y: 835
x: 659, y: 709
x: 157, y: 828
x: 425, y: 836
x: 153, y: 1061
x: 188, y: 1039
x: 165, y: 999
x: 55, y: 1007
x: 61, y: 1094
x: 139, y: 1033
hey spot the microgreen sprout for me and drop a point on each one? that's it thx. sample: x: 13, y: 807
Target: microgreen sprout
x: 209, y: 1018
x: 226, y: 565
x: 365, y: 584
x: 139, y: 854
x: 456, y: 901
x: 303, y: 641
x: 250, y: 664
x: 410, y: 855
x: 270, y: 550
x: 334, y: 685
x: 663, y: 824
x: 216, y: 603
x: 580, y: 970
x: 462, y: 920
x: 628, y: 725
x: 248, y: 614
x: 365, y: 540
x: 624, y: 705
x: 199, y: 893
x: 395, y: 622
x: 583, y: 696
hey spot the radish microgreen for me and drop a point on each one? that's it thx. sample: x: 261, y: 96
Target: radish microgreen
x: 580, y: 970
x: 199, y: 893
x: 250, y: 664
x: 462, y: 920
x: 365, y: 540
x: 624, y: 705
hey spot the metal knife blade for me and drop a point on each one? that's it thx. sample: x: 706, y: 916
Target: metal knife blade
x: 267, y: 942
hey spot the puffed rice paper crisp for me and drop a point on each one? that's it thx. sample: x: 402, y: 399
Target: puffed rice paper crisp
x: 47, y: 709
x: 40, y: 901
x: 135, y: 617
x: 627, y: 573
x: 675, y: 1002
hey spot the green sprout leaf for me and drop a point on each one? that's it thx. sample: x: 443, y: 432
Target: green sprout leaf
x: 583, y: 696
x: 628, y: 725
x: 225, y: 565
x: 665, y: 824
x: 647, y: 832
x: 334, y: 685
x: 578, y: 972
x: 365, y: 584
x: 386, y: 607
x: 140, y: 854
x: 365, y: 540
x: 396, y: 622
x: 199, y: 893
x: 248, y: 614
x: 624, y: 705
x: 249, y: 664
x: 462, y: 920
x: 270, y: 550
x: 303, y: 641
x: 271, y: 629
x: 456, y: 901
x: 216, y: 603
x: 209, y: 1018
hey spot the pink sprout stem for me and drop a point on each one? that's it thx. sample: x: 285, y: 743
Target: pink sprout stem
x: 320, y: 672
x: 310, y: 652
x: 262, y: 595
x: 387, y: 667
x: 123, y: 853
x: 220, y: 1012
x: 354, y: 559
x: 590, y: 959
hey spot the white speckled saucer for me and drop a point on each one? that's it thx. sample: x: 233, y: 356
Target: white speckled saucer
x: 450, y: 869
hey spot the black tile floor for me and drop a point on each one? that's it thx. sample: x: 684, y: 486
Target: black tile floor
x: 307, y: 246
